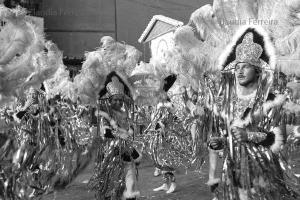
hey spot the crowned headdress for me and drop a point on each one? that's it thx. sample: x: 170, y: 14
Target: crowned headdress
x: 250, y: 45
x: 116, y: 85
x: 248, y: 51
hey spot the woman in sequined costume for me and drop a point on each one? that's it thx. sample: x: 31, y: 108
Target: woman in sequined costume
x: 252, y: 130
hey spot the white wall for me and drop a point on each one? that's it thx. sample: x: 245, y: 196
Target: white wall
x: 161, y: 44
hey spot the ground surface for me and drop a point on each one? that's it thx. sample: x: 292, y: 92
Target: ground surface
x: 191, y: 185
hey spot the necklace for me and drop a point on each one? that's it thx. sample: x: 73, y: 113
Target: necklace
x: 248, y: 97
x: 242, y: 102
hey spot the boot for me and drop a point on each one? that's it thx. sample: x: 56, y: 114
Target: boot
x: 164, y: 187
x: 172, y: 188
x: 130, y: 182
x: 213, y: 161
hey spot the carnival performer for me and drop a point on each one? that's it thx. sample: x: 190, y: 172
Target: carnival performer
x: 171, y: 141
x: 22, y: 41
x: 115, y: 174
x: 26, y: 60
x: 252, y: 131
x: 162, y: 118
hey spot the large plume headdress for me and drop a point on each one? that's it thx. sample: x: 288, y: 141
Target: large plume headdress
x: 112, y: 58
x: 29, y: 65
x: 152, y: 82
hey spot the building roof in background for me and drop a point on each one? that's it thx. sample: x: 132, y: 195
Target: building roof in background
x: 158, y: 26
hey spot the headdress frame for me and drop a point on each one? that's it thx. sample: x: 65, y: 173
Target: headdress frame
x: 128, y: 92
x: 261, y: 37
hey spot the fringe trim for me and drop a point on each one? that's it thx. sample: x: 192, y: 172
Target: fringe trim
x: 267, y: 106
x: 279, y: 139
x: 292, y: 107
x: 278, y: 101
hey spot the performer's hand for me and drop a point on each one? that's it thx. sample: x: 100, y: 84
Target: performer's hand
x: 239, y: 134
x: 216, y: 143
x: 123, y: 136
x: 297, y: 131
x: 113, y: 123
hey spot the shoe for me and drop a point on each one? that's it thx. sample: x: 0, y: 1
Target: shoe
x: 213, y: 181
x: 164, y: 187
x: 157, y: 172
x: 172, y: 188
x: 131, y: 195
x: 85, y: 181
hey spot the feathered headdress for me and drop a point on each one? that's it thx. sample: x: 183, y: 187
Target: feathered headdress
x: 152, y: 81
x: 251, y: 44
x: 106, y: 71
x: 32, y: 65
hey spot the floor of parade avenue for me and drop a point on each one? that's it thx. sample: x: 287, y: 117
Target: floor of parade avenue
x: 190, y: 185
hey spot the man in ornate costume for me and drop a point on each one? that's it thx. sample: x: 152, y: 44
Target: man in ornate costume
x: 115, y: 173
x: 251, y: 131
